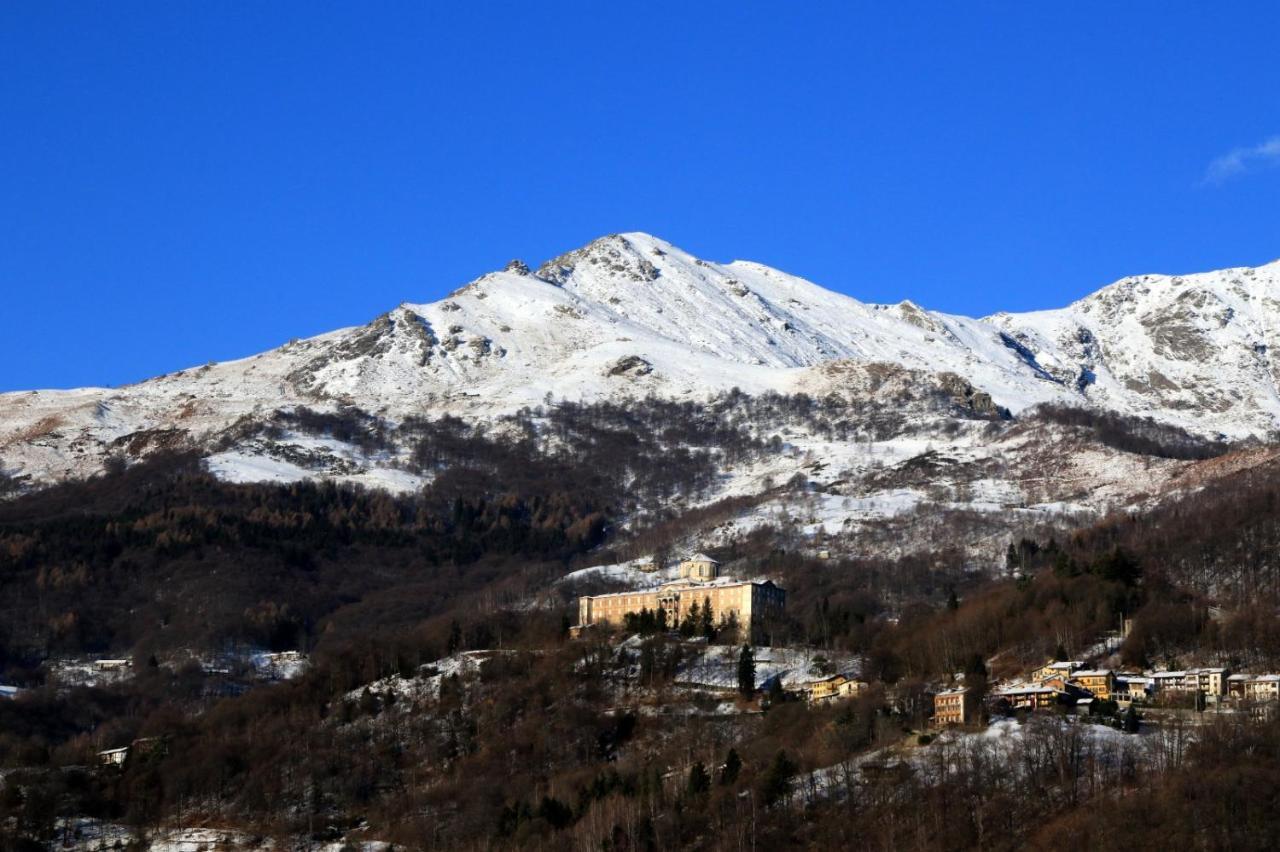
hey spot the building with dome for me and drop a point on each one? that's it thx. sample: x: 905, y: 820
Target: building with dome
x: 750, y: 604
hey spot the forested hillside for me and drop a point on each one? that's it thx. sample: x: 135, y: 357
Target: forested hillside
x: 445, y: 706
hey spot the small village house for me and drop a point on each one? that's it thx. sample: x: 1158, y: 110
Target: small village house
x: 1100, y: 682
x: 1262, y: 688
x: 832, y: 688
x: 1210, y: 681
x: 1207, y: 681
x: 113, y: 665
x: 951, y: 707
x: 1056, y: 668
x: 1031, y: 696
x: 1130, y: 688
x: 1169, y: 682
x: 113, y: 756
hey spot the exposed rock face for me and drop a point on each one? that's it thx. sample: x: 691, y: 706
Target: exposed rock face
x: 967, y: 396
x: 614, y: 256
x: 630, y: 365
x: 1193, y: 349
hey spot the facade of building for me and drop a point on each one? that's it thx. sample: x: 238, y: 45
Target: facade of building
x: 1101, y: 682
x: 113, y: 756
x: 833, y: 687
x: 1210, y: 681
x: 1031, y: 697
x: 1131, y: 687
x: 951, y: 707
x: 750, y: 604
x: 1169, y: 682
x: 699, y: 567
x: 1262, y: 688
x: 1056, y: 668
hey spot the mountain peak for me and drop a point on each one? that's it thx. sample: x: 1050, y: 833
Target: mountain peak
x: 617, y: 256
x: 631, y: 314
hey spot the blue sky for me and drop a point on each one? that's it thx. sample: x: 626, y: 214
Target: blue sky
x: 184, y: 182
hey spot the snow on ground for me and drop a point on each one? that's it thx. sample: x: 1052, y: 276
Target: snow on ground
x: 717, y: 666
x: 240, y: 467
x: 1000, y: 741
x: 425, y: 685
x: 68, y: 673
x: 244, y: 466
x: 629, y: 574
x: 90, y: 835
x: 279, y: 665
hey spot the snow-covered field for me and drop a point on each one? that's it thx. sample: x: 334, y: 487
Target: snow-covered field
x: 1015, y: 746
x: 279, y: 665
x: 716, y: 666
x: 629, y: 574
x: 89, y: 835
x: 425, y: 685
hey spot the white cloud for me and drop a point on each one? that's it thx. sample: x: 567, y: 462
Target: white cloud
x: 1243, y: 160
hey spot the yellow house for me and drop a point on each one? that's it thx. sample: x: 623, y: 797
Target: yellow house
x: 1101, y: 682
x: 833, y: 687
x: 951, y: 707
x: 1056, y: 668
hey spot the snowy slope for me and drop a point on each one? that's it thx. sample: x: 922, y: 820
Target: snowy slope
x: 1195, y: 350
x: 631, y: 314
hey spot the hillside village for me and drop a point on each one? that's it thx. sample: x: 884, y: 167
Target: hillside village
x: 1079, y: 688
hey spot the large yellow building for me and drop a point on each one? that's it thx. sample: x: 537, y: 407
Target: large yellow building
x: 750, y: 604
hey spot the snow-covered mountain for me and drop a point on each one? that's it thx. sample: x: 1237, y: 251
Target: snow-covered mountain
x: 630, y: 314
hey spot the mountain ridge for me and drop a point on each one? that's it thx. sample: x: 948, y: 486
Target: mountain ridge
x: 630, y: 314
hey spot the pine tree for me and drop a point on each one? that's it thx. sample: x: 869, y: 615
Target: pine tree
x: 776, y: 695
x: 730, y: 628
x: 690, y: 624
x: 777, y: 780
x: 1130, y: 722
x: 699, y: 780
x: 706, y: 624
x: 455, y: 637
x: 747, y: 672
x: 732, y: 766
x: 648, y: 661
